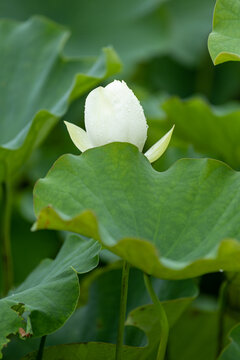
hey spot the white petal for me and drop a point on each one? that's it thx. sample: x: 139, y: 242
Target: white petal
x: 114, y: 114
x: 79, y: 136
x: 159, y: 148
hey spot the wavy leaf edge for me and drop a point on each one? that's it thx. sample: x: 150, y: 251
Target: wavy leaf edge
x: 223, y: 257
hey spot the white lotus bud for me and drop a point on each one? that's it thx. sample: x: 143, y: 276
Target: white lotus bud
x: 114, y: 114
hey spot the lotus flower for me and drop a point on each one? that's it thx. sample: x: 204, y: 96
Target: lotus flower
x: 114, y: 114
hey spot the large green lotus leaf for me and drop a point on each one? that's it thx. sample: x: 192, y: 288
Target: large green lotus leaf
x: 174, y: 224
x: 50, y: 294
x: 136, y: 28
x: 232, y: 350
x: 37, y: 84
x: 212, y: 131
x: 224, y: 40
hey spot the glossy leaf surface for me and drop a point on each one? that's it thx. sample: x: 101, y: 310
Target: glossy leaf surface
x: 176, y: 224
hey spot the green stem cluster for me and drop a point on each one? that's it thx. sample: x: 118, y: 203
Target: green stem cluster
x: 123, y: 305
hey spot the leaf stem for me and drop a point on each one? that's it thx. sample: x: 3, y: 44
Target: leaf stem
x: 41, y: 348
x: 7, y: 262
x: 123, y: 306
x: 221, y: 313
x: 162, y: 318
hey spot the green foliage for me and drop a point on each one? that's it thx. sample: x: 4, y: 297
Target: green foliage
x: 37, y: 84
x: 175, y: 220
x: 139, y: 223
x: 212, y: 131
x: 224, y: 40
x: 203, y: 344
x: 99, y: 317
x: 136, y: 28
x: 32, y: 306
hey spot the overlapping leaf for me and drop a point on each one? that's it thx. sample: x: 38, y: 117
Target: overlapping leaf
x: 98, y: 319
x: 224, y: 41
x: 176, y: 224
x: 232, y: 351
x: 37, y: 84
x: 102, y: 308
x: 49, y: 295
